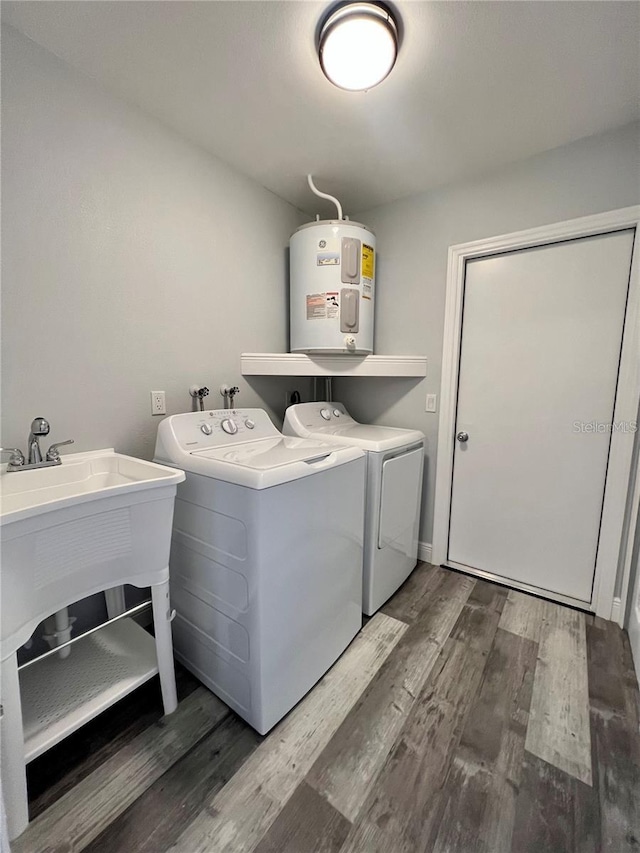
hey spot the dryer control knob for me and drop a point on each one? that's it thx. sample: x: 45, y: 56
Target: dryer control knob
x: 326, y: 414
x: 249, y: 423
x: 337, y: 413
x: 206, y: 429
x: 229, y: 426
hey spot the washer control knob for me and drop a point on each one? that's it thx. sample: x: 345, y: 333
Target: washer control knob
x: 206, y: 429
x: 229, y: 426
x: 326, y: 414
x: 337, y: 413
x: 249, y: 423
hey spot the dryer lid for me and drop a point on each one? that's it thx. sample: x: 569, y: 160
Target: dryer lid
x: 331, y: 423
x: 369, y: 436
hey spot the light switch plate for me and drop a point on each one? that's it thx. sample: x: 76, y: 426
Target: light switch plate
x: 432, y: 403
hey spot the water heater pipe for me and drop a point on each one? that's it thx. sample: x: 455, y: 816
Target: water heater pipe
x: 332, y: 198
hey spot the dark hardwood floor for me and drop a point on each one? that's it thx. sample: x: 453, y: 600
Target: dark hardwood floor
x: 465, y: 718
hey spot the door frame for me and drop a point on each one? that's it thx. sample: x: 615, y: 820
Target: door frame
x: 627, y: 394
x: 627, y: 590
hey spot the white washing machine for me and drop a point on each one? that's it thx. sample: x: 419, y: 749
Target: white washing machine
x: 266, y: 557
x: 395, y: 461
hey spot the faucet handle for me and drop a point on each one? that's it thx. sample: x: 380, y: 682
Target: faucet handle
x: 52, y: 453
x: 40, y: 426
x: 17, y: 456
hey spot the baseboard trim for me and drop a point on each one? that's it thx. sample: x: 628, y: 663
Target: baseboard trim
x: 617, y: 615
x: 424, y: 551
x: 616, y: 611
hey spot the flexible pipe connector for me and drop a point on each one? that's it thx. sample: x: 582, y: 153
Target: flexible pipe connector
x: 332, y: 198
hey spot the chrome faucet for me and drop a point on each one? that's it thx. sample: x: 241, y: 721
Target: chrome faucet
x: 39, y: 427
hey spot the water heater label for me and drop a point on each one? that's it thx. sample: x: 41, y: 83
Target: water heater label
x: 328, y: 259
x: 367, y: 261
x: 316, y: 306
x: 328, y: 253
x: 367, y: 288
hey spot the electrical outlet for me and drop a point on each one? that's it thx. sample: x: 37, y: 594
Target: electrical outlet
x: 431, y: 405
x: 158, y: 406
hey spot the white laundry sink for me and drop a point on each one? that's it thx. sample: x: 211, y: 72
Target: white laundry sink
x: 97, y: 520
x: 81, y: 477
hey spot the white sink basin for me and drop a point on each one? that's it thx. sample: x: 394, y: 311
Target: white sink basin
x: 81, y: 477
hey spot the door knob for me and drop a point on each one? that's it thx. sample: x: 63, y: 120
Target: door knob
x: 462, y: 437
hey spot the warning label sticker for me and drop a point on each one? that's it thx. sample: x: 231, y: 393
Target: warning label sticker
x: 333, y: 305
x: 367, y: 261
x: 323, y: 306
x: 367, y: 288
x: 316, y: 306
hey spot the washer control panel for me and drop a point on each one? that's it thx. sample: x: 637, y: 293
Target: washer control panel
x: 194, y: 431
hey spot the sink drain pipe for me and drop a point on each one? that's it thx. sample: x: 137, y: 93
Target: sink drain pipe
x: 58, y: 631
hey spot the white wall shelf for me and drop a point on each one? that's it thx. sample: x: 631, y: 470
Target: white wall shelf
x: 298, y: 364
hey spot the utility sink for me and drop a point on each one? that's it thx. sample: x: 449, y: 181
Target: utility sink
x: 79, y: 478
x: 96, y: 521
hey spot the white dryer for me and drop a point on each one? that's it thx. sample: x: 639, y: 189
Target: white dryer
x: 395, y: 461
x: 266, y: 557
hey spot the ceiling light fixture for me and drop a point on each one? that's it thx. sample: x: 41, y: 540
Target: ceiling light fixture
x: 358, y: 45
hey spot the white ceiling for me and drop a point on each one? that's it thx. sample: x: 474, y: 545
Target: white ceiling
x: 476, y: 85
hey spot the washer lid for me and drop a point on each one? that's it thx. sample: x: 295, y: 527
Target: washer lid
x: 269, y: 453
x: 269, y: 462
x: 243, y: 447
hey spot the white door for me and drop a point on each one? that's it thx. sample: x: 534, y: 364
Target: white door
x: 541, y: 339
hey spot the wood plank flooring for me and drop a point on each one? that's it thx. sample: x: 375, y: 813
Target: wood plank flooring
x: 558, y: 729
x: 464, y: 718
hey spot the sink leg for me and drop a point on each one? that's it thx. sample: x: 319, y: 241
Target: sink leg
x: 114, y: 599
x: 164, y: 645
x: 14, y: 778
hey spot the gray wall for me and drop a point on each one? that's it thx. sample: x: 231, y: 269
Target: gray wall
x: 413, y: 236
x: 132, y: 261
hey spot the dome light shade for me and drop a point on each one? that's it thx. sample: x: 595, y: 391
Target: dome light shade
x: 358, y: 46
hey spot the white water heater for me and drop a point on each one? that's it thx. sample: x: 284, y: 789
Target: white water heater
x: 332, y: 286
